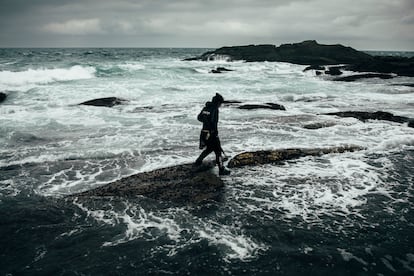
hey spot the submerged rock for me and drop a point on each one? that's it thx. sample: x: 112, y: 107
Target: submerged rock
x: 107, y: 102
x: 334, y: 71
x: 262, y: 106
x: 3, y: 97
x: 363, y: 116
x: 180, y: 184
x: 319, y: 125
x: 275, y: 156
x: 219, y: 70
x: 364, y: 76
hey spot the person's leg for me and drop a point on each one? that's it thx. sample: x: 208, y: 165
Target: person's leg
x: 219, y: 160
x: 203, y: 155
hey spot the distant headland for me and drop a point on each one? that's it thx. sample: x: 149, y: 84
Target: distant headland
x: 312, y: 53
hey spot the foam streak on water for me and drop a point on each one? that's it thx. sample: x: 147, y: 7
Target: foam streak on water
x: 337, y: 211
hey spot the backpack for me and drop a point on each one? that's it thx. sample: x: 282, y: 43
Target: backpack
x: 204, y: 116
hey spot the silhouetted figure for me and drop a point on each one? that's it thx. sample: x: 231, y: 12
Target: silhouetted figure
x: 209, y: 139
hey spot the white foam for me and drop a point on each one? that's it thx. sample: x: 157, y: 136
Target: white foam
x: 174, y: 223
x: 132, y: 66
x: 11, y: 80
x: 347, y: 256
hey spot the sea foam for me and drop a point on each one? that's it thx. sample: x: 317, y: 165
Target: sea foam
x: 10, y: 79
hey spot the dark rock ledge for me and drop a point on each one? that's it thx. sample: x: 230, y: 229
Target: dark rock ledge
x: 180, y: 184
x: 3, y: 97
x: 106, y: 102
x: 276, y: 156
x: 378, y: 115
x: 272, y: 106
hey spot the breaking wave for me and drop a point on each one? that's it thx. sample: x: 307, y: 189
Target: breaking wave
x: 45, y: 76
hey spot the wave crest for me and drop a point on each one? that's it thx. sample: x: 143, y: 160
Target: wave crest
x: 44, y: 76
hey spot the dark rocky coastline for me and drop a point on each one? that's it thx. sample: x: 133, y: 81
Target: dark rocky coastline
x: 312, y: 53
x: 185, y: 184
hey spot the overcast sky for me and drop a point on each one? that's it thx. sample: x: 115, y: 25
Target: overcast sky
x: 361, y: 24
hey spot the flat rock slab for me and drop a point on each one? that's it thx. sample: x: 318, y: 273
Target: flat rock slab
x: 378, y: 115
x: 180, y: 184
x: 106, y: 102
x: 272, y: 106
x: 364, y: 76
x: 275, y: 156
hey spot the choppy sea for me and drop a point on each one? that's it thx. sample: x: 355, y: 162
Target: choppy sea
x: 337, y: 214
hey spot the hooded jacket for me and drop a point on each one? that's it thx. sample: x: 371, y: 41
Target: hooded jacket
x: 213, y: 116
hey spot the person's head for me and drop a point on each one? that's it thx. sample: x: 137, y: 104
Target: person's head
x: 218, y: 99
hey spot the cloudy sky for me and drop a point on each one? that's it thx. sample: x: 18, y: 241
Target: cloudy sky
x: 362, y: 24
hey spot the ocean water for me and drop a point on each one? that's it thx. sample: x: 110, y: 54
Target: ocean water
x: 338, y: 214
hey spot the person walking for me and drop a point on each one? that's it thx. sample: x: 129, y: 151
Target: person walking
x: 209, y: 139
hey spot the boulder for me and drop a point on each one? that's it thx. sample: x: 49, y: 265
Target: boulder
x: 319, y: 125
x: 180, y: 184
x: 3, y: 97
x: 364, y: 76
x: 106, y: 102
x: 411, y: 123
x: 276, y: 156
x: 219, y: 70
x: 364, y: 116
x: 314, y: 67
x: 334, y: 71
x: 262, y: 106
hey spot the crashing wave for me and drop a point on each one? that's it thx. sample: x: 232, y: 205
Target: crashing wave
x: 218, y: 57
x: 44, y: 76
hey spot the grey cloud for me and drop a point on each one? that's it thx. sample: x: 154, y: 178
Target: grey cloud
x: 364, y: 24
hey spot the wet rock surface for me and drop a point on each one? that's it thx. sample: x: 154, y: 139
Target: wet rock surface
x: 272, y: 106
x: 3, y: 97
x: 276, y: 156
x: 364, y: 76
x: 105, y: 102
x: 364, y: 116
x: 181, y: 184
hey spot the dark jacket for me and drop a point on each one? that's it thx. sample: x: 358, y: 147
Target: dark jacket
x: 211, y: 124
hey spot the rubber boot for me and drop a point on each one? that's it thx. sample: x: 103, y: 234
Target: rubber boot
x: 223, y: 171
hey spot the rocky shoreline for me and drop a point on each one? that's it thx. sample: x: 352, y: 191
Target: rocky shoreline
x: 185, y: 184
x: 312, y: 53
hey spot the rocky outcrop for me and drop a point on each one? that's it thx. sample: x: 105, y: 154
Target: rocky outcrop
x: 307, y: 53
x: 364, y: 76
x: 319, y: 125
x: 180, y: 184
x: 276, y: 156
x: 334, y: 71
x: 364, y: 116
x: 220, y: 70
x: 3, y: 97
x: 402, y: 66
x: 106, y: 102
x: 272, y: 106
x: 312, y: 53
